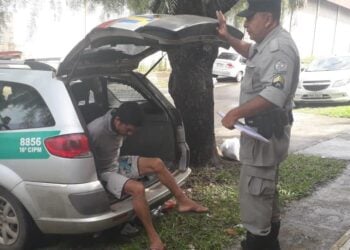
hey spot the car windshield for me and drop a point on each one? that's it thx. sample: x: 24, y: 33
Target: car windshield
x: 229, y: 56
x: 330, y: 63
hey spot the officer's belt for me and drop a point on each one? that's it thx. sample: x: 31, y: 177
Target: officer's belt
x: 271, y: 122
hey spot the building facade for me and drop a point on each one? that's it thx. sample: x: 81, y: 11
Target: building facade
x: 321, y: 27
x: 6, y: 37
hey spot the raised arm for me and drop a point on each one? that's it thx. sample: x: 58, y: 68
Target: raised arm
x: 240, y: 46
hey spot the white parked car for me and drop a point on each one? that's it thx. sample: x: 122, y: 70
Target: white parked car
x: 229, y: 64
x: 325, y: 80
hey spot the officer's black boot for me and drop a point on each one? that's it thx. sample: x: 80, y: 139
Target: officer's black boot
x: 269, y: 242
x: 255, y: 242
x: 273, y: 236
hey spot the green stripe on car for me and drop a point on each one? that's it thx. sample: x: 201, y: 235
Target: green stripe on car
x: 25, y: 145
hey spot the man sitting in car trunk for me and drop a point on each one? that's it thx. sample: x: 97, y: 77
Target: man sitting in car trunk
x: 121, y: 172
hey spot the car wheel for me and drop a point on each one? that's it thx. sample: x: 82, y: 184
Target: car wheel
x: 219, y: 79
x: 298, y: 105
x: 16, y: 226
x: 239, y: 76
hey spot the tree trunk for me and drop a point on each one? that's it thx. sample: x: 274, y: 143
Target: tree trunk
x: 191, y: 84
x: 191, y: 87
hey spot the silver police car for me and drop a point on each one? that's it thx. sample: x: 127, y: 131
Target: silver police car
x: 48, y: 179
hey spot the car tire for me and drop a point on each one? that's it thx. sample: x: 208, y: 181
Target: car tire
x: 297, y: 105
x: 219, y: 79
x: 239, y: 76
x: 15, y: 223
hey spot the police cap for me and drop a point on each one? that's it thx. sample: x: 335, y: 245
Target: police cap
x: 273, y: 6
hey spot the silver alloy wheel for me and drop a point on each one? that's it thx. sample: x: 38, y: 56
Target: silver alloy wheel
x: 9, y: 227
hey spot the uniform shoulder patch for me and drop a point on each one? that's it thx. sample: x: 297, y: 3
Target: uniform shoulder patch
x: 278, y: 81
x: 281, y: 66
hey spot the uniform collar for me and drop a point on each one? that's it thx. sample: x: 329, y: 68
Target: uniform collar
x: 260, y: 46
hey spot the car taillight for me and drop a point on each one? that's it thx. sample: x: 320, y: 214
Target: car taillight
x: 230, y: 65
x: 69, y: 146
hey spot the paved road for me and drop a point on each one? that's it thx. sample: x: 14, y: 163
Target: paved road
x: 226, y: 97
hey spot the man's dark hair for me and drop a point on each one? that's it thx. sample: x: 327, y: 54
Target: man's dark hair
x: 129, y: 113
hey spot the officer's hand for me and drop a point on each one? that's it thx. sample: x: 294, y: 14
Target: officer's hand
x: 222, y: 28
x: 228, y: 121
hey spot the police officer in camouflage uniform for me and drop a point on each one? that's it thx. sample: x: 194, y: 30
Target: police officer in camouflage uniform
x: 267, y: 90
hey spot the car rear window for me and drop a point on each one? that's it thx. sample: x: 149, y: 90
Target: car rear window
x: 119, y: 92
x: 22, y: 107
x: 229, y: 56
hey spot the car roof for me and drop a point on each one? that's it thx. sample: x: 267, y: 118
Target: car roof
x: 119, y: 45
x: 26, y: 64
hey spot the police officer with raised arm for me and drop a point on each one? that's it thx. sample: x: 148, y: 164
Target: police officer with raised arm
x: 267, y: 90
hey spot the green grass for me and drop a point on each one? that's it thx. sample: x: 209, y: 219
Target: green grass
x: 300, y: 175
x: 336, y: 111
x: 217, y: 189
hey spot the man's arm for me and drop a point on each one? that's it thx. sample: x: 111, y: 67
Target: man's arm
x: 247, y: 109
x: 240, y: 46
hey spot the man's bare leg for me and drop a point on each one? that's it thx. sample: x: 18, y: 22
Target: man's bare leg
x: 137, y: 191
x: 157, y: 166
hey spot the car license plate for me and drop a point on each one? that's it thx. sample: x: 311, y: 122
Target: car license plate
x: 315, y: 95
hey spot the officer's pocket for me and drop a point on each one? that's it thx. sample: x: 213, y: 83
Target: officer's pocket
x: 282, y: 147
x: 246, y: 152
x: 247, y: 83
x: 260, y: 186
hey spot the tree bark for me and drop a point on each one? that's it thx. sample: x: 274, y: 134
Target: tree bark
x: 191, y: 87
x: 191, y: 84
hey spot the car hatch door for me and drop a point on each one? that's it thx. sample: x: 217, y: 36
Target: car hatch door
x: 120, y: 44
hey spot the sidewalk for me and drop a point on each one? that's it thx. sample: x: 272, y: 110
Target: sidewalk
x: 322, y: 220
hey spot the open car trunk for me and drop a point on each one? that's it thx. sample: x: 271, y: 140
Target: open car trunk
x: 99, y: 70
x: 157, y: 137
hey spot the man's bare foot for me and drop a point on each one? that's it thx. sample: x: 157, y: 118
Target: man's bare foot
x: 157, y: 246
x: 188, y: 205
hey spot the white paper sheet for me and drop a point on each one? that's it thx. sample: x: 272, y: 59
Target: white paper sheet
x: 246, y: 129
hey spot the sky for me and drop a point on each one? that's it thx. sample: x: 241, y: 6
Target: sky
x: 54, y: 34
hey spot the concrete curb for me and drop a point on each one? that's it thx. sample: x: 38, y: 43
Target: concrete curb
x: 343, y: 243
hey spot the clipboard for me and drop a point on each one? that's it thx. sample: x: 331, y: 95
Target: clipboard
x: 246, y: 129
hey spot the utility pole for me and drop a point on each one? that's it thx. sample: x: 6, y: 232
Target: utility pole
x: 335, y: 29
x: 315, y: 26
